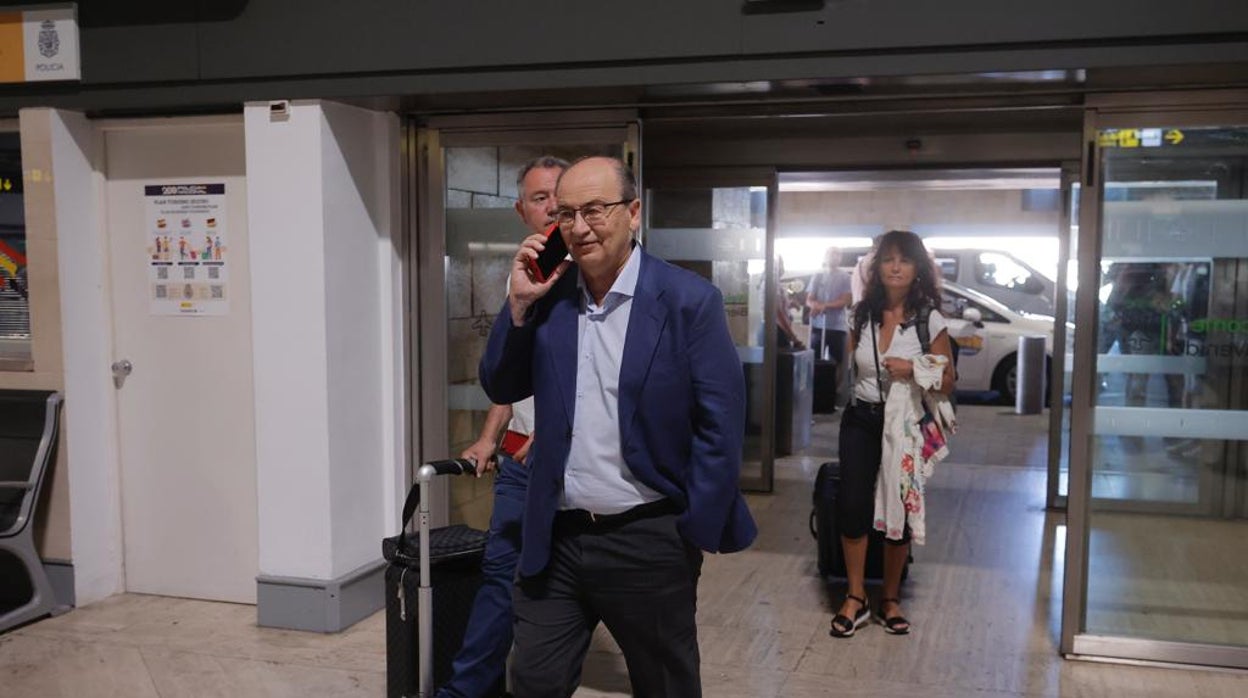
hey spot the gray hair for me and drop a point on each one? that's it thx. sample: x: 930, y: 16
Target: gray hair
x: 628, y: 183
x: 541, y: 162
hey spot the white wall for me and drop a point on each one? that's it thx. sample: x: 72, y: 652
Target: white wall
x: 393, y: 347
x: 322, y: 203
x: 90, y: 407
x: 357, y: 149
x: 323, y: 208
x: 284, y: 213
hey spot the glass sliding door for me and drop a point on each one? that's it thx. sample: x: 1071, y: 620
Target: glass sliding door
x: 716, y: 225
x: 1157, y: 510
x: 472, y: 231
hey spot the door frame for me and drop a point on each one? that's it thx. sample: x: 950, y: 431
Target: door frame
x: 1069, y: 171
x: 1054, y: 500
x: 426, y: 139
x: 1135, y: 110
x: 713, y: 177
x: 102, y: 128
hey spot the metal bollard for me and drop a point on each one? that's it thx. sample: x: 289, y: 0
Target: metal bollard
x: 1029, y: 389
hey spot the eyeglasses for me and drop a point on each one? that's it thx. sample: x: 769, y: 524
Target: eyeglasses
x: 594, y: 214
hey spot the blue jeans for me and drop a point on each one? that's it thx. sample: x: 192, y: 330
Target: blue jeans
x: 483, y: 657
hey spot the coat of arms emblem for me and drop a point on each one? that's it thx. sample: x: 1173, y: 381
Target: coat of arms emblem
x: 49, y: 40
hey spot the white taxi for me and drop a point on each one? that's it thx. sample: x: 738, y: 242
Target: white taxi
x: 987, y: 333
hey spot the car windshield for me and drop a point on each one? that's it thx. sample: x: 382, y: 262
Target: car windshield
x: 955, y: 301
x: 978, y: 298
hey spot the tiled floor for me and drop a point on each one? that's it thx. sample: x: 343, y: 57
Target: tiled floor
x: 984, y: 596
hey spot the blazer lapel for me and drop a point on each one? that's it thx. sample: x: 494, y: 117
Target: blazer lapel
x: 562, y: 339
x: 645, y: 325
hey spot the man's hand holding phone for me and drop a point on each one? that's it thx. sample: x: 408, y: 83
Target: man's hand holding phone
x: 538, y: 264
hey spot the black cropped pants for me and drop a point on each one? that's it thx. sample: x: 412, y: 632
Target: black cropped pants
x: 861, y: 444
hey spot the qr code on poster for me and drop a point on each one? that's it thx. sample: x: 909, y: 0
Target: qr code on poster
x: 162, y: 273
x: 214, y: 273
x: 188, y: 272
x: 161, y: 292
x: 217, y: 291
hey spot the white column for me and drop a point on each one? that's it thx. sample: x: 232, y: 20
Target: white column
x: 322, y: 207
x: 359, y: 161
x: 90, y: 418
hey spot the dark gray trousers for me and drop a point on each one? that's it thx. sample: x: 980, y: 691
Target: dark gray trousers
x: 640, y: 579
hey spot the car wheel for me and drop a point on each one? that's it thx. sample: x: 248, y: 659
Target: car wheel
x: 1005, y: 379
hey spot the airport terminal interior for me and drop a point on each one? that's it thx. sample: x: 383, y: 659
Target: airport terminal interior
x: 984, y: 595
x: 252, y: 380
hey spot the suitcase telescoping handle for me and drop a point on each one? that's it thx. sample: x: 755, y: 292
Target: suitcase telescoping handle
x: 453, y: 466
x: 424, y: 600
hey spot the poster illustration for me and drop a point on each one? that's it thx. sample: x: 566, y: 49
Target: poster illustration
x: 187, y: 249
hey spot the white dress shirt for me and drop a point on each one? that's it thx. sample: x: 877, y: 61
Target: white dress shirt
x: 522, y: 416
x: 521, y: 412
x: 596, y: 477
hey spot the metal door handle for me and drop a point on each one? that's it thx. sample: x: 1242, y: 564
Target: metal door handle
x: 121, y: 369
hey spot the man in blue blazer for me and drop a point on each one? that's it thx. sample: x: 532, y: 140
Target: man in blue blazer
x: 641, y: 401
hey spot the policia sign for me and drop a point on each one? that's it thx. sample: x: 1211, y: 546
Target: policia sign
x: 39, y: 44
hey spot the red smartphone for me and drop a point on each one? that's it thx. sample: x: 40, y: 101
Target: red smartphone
x: 549, y: 258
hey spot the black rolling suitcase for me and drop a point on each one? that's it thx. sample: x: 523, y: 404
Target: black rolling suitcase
x: 431, y: 581
x: 824, y: 397
x: 828, y: 538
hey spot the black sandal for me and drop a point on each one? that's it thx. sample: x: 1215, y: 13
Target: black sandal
x: 844, y: 626
x: 897, y: 625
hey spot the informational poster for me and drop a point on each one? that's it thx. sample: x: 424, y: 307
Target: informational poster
x: 187, y: 249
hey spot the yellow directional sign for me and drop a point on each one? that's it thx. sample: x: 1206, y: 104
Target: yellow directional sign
x: 1138, y: 137
x: 1120, y: 138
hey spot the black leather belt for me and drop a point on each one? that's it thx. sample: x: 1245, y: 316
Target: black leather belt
x: 867, y: 407
x: 580, y: 521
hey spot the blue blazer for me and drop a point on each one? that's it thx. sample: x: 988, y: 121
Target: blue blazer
x: 681, y: 403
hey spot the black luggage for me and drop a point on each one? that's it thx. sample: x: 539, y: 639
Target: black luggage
x: 428, y: 615
x: 828, y: 538
x: 824, y: 399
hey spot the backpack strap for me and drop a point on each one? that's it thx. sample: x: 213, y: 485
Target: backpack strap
x: 924, y: 333
x: 921, y: 328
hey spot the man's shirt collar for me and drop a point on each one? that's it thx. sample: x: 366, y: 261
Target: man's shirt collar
x: 624, y: 287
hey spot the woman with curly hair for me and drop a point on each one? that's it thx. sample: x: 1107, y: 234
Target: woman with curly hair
x: 884, y: 344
